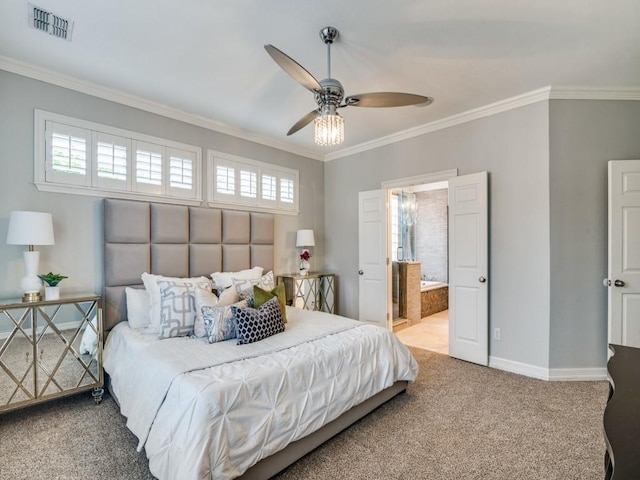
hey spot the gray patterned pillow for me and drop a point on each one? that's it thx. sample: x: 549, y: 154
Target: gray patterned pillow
x: 177, y: 308
x: 219, y: 321
x: 254, y: 324
x: 244, y: 287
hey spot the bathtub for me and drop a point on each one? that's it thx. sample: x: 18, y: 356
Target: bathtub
x: 427, y: 285
x: 434, y: 297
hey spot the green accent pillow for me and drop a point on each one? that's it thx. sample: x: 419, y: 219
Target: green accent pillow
x: 261, y: 296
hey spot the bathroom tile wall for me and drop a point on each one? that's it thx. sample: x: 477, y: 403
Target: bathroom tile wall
x: 432, y: 234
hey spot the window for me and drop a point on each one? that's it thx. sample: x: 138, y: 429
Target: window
x: 112, y: 153
x: 76, y: 156
x: 69, y: 154
x: 287, y: 186
x: 269, y: 192
x: 248, y: 183
x: 66, y: 159
x: 112, y: 161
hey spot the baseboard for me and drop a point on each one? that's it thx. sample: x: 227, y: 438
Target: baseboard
x: 60, y: 326
x: 550, y: 374
x: 578, y: 374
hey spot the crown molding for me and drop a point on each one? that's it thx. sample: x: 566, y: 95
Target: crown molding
x: 100, y: 91
x: 541, y: 94
x: 528, y: 98
x: 594, y: 93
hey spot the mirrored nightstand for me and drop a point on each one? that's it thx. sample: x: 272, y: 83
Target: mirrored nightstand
x: 315, y: 291
x: 40, y: 354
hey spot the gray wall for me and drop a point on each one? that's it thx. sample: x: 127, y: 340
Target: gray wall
x: 432, y: 234
x: 584, y: 135
x: 77, y: 219
x: 513, y: 147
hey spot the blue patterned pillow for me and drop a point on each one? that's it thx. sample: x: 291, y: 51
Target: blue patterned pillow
x: 256, y: 324
x: 219, y: 321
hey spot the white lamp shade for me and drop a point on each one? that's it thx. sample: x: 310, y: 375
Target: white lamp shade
x: 30, y: 228
x: 305, y: 239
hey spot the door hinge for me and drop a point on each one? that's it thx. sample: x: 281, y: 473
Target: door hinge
x: 387, y: 260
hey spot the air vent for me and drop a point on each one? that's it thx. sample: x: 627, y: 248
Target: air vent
x: 50, y: 23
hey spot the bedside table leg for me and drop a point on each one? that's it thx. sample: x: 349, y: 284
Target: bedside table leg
x: 97, y: 395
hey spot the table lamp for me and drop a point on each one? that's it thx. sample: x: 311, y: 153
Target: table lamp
x: 305, y: 239
x: 30, y: 228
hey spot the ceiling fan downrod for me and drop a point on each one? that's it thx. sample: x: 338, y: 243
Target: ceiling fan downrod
x: 328, y: 35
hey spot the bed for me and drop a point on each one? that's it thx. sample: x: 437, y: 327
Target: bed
x: 224, y: 410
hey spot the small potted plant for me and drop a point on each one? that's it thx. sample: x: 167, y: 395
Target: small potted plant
x: 52, y: 291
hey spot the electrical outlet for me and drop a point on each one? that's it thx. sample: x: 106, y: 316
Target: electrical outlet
x: 496, y: 334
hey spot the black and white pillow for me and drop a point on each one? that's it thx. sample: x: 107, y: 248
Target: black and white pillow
x: 254, y: 324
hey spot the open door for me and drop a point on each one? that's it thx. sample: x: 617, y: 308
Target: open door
x: 373, y: 259
x: 624, y: 253
x: 469, y: 268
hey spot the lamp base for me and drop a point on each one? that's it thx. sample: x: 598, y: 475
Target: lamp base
x: 30, y: 297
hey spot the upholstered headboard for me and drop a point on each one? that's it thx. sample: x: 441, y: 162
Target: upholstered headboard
x: 177, y: 241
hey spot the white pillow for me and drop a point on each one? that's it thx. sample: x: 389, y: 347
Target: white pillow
x: 138, y: 307
x: 245, y: 287
x: 228, y: 297
x: 223, y: 280
x: 151, y: 285
x: 177, y: 308
x: 89, y: 342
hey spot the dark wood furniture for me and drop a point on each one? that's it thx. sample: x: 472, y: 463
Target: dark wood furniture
x: 622, y: 415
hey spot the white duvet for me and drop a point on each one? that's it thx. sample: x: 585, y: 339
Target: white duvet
x: 211, y: 411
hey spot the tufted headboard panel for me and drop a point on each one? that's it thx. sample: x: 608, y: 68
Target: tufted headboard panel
x: 177, y: 241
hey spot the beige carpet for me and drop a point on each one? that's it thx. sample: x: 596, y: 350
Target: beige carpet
x: 458, y: 421
x: 431, y: 333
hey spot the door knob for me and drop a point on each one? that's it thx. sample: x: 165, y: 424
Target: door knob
x: 619, y: 283
x: 482, y: 279
x: 360, y: 272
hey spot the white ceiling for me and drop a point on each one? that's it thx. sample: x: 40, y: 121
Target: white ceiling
x: 206, y: 57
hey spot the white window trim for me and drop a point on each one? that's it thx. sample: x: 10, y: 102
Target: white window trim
x: 236, y: 202
x: 40, y: 180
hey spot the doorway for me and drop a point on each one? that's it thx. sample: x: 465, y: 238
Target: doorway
x: 418, y: 231
x: 468, y: 259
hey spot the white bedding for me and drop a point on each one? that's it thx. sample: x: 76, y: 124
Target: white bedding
x: 213, y: 410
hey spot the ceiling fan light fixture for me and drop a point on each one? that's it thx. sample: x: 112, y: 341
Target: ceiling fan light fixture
x: 329, y: 126
x: 329, y: 95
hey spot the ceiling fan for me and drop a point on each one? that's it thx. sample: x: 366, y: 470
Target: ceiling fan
x: 329, y: 95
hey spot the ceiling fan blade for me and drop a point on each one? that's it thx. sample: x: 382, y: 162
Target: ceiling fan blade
x: 294, y: 69
x: 303, y: 122
x: 386, y: 99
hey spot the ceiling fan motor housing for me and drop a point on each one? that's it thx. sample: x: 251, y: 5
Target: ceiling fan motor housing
x: 331, y: 95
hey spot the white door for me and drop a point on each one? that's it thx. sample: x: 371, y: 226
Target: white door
x: 468, y: 268
x: 624, y: 252
x: 373, y: 260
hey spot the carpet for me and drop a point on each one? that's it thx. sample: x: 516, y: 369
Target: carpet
x: 457, y: 421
